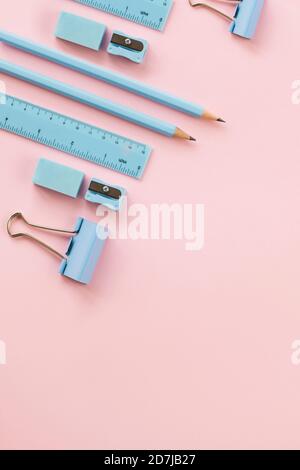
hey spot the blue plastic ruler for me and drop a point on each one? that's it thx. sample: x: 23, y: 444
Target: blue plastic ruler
x: 151, y: 13
x: 74, y: 137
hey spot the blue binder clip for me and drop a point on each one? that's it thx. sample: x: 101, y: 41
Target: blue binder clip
x: 100, y: 192
x: 84, y: 249
x: 245, y: 18
x: 133, y: 49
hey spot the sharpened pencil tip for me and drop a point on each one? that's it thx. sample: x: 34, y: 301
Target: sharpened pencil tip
x: 220, y: 120
x: 192, y: 139
x: 180, y: 134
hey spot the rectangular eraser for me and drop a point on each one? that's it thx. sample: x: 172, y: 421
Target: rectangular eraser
x: 81, y: 31
x: 59, y: 178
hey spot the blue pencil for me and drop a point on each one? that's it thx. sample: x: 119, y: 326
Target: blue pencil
x: 92, y: 100
x: 107, y: 76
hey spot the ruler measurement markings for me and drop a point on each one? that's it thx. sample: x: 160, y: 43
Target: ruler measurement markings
x: 150, y: 13
x: 73, y: 137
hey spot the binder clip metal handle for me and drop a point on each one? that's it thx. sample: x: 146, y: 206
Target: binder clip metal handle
x: 19, y: 216
x: 214, y: 9
x: 83, y: 252
x: 245, y: 18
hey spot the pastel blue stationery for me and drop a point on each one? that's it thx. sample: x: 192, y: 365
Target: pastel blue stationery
x: 79, y: 30
x: 74, y: 137
x: 100, y: 192
x: 57, y: 177
x: 100, y: 73
x: 89, y: 99
x: 245, y: 18
x: 150, y: 13
x: 133, y: 49
x: 83, y: 250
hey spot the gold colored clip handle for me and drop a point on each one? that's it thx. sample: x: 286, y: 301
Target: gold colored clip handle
x: 214, y: 9
x: 19, y: 216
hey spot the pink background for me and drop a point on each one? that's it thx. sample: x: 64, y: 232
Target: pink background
x: 166, y: 348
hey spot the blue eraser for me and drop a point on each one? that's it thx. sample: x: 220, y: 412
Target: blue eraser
x: 59, y: 178
x: 81, y: 31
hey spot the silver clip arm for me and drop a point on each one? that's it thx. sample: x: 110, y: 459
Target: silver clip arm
x: 19, y: 216
x: 214, y: 9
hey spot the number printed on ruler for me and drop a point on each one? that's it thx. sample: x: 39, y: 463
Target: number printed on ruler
x: 150, y: 13
x: 74, y: 137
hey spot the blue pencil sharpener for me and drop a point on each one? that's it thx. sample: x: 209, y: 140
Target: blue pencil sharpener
x: 99, y: 192
x: 133, y: 49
